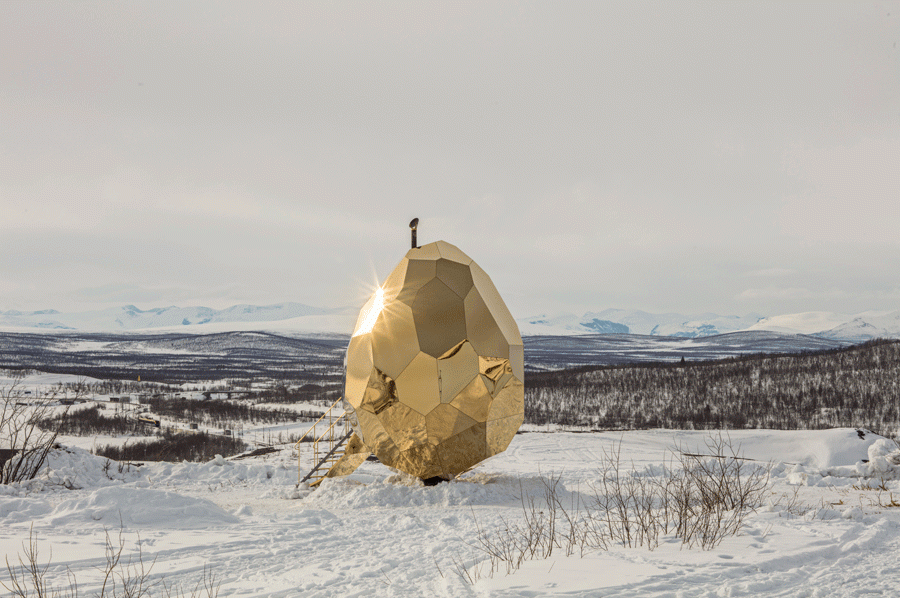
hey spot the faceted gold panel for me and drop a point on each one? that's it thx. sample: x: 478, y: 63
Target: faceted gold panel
x: 456, y: 368
x: 455, y: 275
x: 460, y: 452
x: 426, y: 252
x: 394, y: 338
x: 393, y: 284
x: 501, y: 431
x: 376, y: 437
x: 421, y: 461
x: 364, y: 315
x: 418, y: 273
x: 435, y: 366
x: 405, y: 426
x: 517, y: 360
x: 351, y: 414
x: 481, y: 328
x: 452, y: 253
x: 359, y: 369
x: 496, y: 372
x: 445, y: 421
x: 473, y: 400
x: 418, y: 385
x: 440, y: 318
x: 381, y: 392
x: 354, y: 455
x: 495, y: 303
x: 507, y: 402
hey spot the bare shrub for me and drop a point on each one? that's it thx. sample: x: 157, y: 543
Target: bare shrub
x: 206, y: 587
x: 719, y: 490
x: 21, y: 432
x: 699, y: 499
x: 120, y: 576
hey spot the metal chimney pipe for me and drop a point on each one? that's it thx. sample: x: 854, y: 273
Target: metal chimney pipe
x: 413, y: 225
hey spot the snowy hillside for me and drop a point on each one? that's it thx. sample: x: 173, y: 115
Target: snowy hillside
x: 828, y: 526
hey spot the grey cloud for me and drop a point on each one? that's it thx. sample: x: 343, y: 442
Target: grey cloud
x: 278, y: 149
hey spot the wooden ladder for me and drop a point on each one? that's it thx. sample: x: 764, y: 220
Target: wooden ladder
x: 328, y: 447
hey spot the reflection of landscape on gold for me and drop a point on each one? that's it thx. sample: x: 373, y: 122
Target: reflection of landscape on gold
x: 435, y: 366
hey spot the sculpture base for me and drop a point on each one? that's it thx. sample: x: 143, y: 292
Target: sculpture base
x: 434, y: 481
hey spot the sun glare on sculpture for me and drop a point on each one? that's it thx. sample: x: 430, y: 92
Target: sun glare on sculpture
x: 372, y: 315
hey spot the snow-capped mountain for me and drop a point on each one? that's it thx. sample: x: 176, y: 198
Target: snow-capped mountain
x: 129, y: 317
x: 856, y: 328
x: 304, y: 318
x: 810, y: 322
x: 621, y: 321
x: 867, y: 326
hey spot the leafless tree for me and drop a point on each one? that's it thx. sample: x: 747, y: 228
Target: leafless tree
x: 25, y: 444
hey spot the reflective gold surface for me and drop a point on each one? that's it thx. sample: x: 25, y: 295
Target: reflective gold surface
x: 481, y: 327
x: 354, y: 455
x: 456, y: 369
x: 496, y: 372
x: 507, y: 401
x: 440, y: 318
x: 445, y: 421
x: 418, y: 272
x: 380, y: 393
x: 435, y: 366
x: 395, y: 340
x: 359, y: 369
x: 393, y: 284
x: 419, y: 386
x: 471, y: 400
x: 501, y: 431
x: 455, y: 275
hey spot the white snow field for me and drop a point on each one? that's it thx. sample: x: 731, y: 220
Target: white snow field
x: 821, y: 532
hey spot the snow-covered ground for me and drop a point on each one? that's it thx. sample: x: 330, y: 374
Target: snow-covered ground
x: 822, y: 532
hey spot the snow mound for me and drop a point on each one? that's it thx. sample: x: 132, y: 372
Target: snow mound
x: 884, y: 456
x: 134, y: 507
x: 844, y: 446
x: 222, y: 471
x: 866, y: 461
x: 74, y: 468
x: 813, y: 449
x: 17, y: 510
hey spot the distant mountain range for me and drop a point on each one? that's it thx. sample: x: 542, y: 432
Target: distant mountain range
x: 621, y: 321
x: 855, y: 328
x: 304, y: 318
x: 129, y: 318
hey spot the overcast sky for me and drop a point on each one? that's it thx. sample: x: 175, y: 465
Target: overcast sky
x: 668, y: 156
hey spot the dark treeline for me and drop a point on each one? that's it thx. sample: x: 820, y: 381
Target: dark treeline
x: 857, y: 386
x: 221, y: 414
x: 118, y: 387
x: 172, y: 446
x: 307, y: 393
x: 91, y: 421
x: 195, y: 358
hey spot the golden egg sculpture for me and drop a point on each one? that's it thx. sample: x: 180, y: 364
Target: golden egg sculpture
x: 435, y: 366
